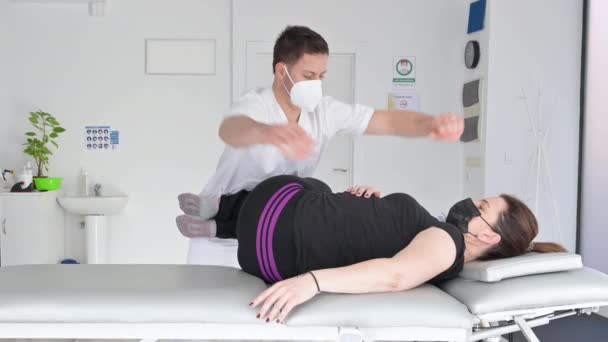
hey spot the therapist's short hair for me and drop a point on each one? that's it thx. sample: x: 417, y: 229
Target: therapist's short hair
x: 294, y: 42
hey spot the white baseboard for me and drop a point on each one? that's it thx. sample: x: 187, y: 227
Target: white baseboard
x: 603, y: 311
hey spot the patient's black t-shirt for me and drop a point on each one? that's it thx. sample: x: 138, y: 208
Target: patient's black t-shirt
x: 334, y: 230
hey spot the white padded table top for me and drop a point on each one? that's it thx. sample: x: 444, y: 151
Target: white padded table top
x: 584, y: 285
x: 200, y: 294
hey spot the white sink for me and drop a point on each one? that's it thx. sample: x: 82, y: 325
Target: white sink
x: 104, y: 205
x: 95, y: 210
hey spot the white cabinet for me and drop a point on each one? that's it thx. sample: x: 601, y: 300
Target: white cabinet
x: 31, y: 228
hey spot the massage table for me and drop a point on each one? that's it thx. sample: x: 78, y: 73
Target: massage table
x: 151, y: 302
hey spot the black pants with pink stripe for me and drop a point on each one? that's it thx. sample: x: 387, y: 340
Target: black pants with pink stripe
x: 264, y: 224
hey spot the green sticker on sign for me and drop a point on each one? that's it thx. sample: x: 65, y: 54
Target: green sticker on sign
x: 404, y: 72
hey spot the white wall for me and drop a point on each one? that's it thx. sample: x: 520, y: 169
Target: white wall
x: 594, y: 216
x: 535, y: 45
x: 377, y: 31
x: 90, y: 70
x: 5, y: 125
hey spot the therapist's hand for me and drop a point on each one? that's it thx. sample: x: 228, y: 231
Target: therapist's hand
x: 291, y: 139
x: 447, y: 127
x: 277, y: 301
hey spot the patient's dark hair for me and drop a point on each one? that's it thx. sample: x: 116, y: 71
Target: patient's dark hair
x: 294, y: 42
x: 517, y: 227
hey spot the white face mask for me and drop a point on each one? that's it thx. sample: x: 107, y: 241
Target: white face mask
x: 305, y: 94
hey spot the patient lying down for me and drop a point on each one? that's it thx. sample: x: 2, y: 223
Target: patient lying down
x: 296, y: 234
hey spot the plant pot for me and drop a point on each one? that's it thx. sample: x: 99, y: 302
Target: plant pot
x: 47, y: 184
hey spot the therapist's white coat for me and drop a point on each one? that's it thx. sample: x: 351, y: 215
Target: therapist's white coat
x: 244, y: 168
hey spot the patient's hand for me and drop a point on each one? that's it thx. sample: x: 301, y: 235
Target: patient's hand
x: 279, y: 299
x: 364, y: 190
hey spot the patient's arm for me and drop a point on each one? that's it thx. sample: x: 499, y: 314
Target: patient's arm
x: 431, y: 252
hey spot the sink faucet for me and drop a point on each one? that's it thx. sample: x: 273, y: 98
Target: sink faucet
x: 97, y: 190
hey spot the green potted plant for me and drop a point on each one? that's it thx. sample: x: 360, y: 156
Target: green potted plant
x: 47, y: 129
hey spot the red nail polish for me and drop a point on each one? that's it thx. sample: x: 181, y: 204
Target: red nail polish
x: 258, y: 316
x: 250, y: 304
x: 267, y: 320
x: 278, y: 321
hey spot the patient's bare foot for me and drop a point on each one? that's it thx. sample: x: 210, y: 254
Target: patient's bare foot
x: 195, y: 205
x: 194, y: 227
x: 189, y: 204
x: 208, y: 207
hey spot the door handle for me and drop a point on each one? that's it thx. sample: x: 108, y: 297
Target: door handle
x: 4, y: 226
x: 340, y: 170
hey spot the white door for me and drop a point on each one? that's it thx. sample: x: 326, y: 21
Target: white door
x: 335, y: 167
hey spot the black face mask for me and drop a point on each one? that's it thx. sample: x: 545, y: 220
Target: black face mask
x: 462, y: 213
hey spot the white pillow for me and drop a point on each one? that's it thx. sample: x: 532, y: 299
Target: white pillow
x: 527, y: 264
